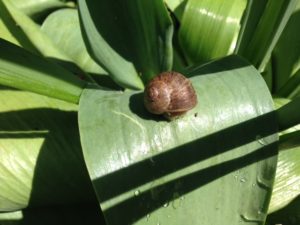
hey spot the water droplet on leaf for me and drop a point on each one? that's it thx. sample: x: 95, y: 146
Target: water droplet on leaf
x: 147, y: 217
x: 243, y: 180
x: 252, y: 218
x: 260, y: 140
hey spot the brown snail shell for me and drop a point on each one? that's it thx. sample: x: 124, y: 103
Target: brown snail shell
x: 170, y: 94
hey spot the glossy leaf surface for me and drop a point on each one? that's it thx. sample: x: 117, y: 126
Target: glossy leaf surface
x: 214, y: 160
x: 210, y: 28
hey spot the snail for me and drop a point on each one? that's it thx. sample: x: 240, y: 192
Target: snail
x: 170, y: 94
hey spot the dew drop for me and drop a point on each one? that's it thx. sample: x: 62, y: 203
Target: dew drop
x: 263, y: 183
x: 243, y: 180
x: 260, y: 140
x: 166, y: 205
x: 176, y: 203
x: 136, y: 193
x: 248, y: 218
x: 147, y: 217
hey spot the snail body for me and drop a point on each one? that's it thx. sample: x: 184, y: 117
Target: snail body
x: 170, y: 94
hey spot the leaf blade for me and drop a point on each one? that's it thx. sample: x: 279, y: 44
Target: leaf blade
x: 129, y: 45
x: 210, y: 29
x: 24, y: 70
x: 146, y: 167
x: 40, y: 151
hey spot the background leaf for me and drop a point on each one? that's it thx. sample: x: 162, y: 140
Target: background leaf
x: 32, y: 32
x: 130, y: 39
x: 11, y: 32
x: 177, y: 7
x: 212, y: 166
x: 252, y: 15
x: 286, y: 58
x: 289, y: 215
x: 41, y: 162
x: 37, y: 9
x: 24, y: 70
x: 267, y: 31
x: 287, y: 180
x: 63, y: 28
x: 210, y: 28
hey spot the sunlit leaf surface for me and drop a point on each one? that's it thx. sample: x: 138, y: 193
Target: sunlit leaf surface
x: 212, y: 166
x: 39, y: 8
x: 41, y: 162
x: 210, y: 28
x: 63, y: 28
x: 287, y: 181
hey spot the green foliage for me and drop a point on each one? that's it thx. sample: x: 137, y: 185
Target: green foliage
x: 215, y: 165
x: 41, y: 161
x: 156, y: 169
x: 130, y: 45
x: 21, y: 69
x: 210, y: 29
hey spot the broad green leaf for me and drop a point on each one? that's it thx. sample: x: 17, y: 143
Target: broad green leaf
x: 252, y: 15
x: 267, y: 74
x: 41, y: 161
x: 292, y: 88
x: 288, y: 115
x: 31, y: 32
x: 131, y: 39
x: 38, y: 8
x: 11, y: 32
x: 173, y: 4
x: 210, y: 28
x: 177, y: 7
x: 5, y: 33
x: 289, y: 215
x: 268, y: 31
x: 30, y: 36
x: 24, y: 70
x: 212, y: 166
x: 179, y: 61
x: 63, y: 28
x: 286, y: 58
x: 76, y: 214
x: 287, y: 180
